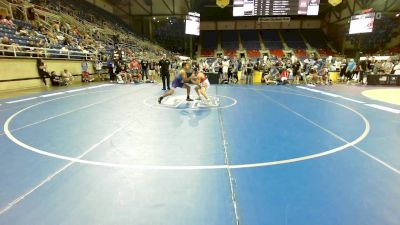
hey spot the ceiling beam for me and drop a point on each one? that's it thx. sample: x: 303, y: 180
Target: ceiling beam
x: 144, y: 8
x: 169, y: 9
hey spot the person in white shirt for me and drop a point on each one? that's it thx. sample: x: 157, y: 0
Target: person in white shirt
x: 225, y: 67
x: 397, y: 69
x: 99, y: 67
x: 67, y: 77
x: 388, y: 66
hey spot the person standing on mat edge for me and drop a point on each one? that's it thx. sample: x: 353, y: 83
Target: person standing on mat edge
x: 164, y: 71
x: 144, y: 64
x: 181, y: 81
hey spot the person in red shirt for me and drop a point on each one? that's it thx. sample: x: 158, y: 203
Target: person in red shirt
x: 283, y: 79
x: 134, y: 67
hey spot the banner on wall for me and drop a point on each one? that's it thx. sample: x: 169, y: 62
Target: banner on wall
x: 222, y: 3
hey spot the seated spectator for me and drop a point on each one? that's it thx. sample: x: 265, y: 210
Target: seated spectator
x: 65, y: 28
x: 397, y: 69
x: 56, y: 27
x: 16, y: 48
x: 52, y: 38
x: 67, y: 77
x: 64, y: 50
x: 324, y: 74
x: 283, y: 79
x: 388, y: 66
x: 8, y: 21
x: 273, y: 75
x: 56, y: 80
x: 313, y: 77
x: 6, y: 50
x: 21, y: 31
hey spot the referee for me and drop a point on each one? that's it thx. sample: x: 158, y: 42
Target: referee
x: 164, y: 70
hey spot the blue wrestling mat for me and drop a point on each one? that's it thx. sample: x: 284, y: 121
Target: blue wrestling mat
x: 252, y: 155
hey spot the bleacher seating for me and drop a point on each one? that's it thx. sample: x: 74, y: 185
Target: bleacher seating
x: 293, y: 39
x: 300, y: 53
x: 316, y: 38
x: 97, y: 41
x: 277, y: 52
x: 271, y: 39
x: 253, y: 54
x: 207, y: 53
x: 250, y: 39
x: 326, y: 52
x: 209, y: 40
x: 395, y: 49
x: 229, y: 40
x: 230, y: 53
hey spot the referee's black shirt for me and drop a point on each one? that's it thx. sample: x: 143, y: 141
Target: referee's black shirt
x: 164, y: 66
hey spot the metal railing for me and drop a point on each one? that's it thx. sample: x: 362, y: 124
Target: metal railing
x: 17, y: 51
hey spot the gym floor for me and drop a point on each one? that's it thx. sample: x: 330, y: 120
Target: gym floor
x: 110, y: 154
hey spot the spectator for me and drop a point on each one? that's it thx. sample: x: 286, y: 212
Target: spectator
x: 65, y: 28
x: 377, y: 67
x: 313, y: 77
x: 235, y: 70
x: 388, y: 66
x: 225, y: 67
x: 397, y: 68
x: 8, y: 22
x: 144, y: 64
x: 42, y: 70
x: 249, y: 73
x: 152, y: 71
x: 99, y: 66
x: 110, y: 66
x: 351, y: 68
x: 67, y: 77
x: 363, y: 71
x: 85, y: 71
x: 64, y: 51
x: 343, y: 69
x: 17, y: 50
x: 56, y: 80
x: 21, y: 31
x: 296, y: 70
x: 56, y: 27
x: 6, y: 50
x: 135, y: 69
x: 283, y: 79
x: 273, y: 75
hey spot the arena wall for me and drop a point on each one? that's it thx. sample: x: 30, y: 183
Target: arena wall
x: 22, y: 73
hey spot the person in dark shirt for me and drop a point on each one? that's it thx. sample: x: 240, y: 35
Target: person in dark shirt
x: 56, y: 80
x: 296, y: 71
x: 343, y: 69
x: 145, y: 65
x: 42, y: 70
x: 110, y: 66
x: 363, y: 65
x: 164, y: 71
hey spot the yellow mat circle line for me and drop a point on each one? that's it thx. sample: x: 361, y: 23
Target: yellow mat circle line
x: 391, y: 96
